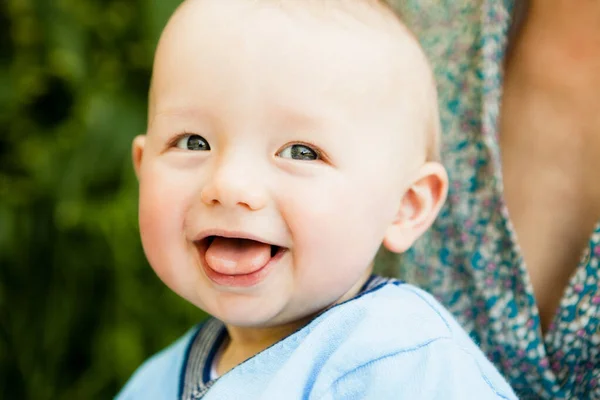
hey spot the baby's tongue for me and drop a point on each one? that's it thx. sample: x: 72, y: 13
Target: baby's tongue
x: 237, y: 256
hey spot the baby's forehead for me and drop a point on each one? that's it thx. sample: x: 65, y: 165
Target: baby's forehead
x: 357, y: 47
x: 355, y: 31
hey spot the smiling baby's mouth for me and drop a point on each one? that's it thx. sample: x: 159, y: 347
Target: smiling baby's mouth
x: 208, y: 240
x: 237, y: 256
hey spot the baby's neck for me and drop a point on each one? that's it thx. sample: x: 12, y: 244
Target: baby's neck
x: 243, y: 343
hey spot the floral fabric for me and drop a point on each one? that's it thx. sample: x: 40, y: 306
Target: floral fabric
x: 470, y: 259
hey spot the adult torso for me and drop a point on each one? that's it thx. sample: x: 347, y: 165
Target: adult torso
x: 472, y: 258
x: 550, y: 141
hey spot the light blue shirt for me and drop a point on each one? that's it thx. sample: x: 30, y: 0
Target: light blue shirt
x: 392, y: 342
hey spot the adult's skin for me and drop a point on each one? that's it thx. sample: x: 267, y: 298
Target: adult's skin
x: 515, y: 253
x: 550, y: 139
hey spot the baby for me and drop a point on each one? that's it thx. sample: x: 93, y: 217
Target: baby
x: 287, y: 141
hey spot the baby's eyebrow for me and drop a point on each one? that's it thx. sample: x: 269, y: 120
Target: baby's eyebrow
x: 186, y: 111
x: 297, y: 118
x: 168, y: 116
x: 306, y: 117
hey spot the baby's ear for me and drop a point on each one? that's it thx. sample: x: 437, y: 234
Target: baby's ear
x: 137, y: 152
x: 419, y: 207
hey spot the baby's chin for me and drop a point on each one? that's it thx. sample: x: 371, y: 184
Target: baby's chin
x: 249, y: 316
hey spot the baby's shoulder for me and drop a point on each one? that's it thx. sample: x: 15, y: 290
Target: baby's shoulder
x: 398, y: 318
x: 160, y: 375
x: 409, y: 315
x: 402, y: 340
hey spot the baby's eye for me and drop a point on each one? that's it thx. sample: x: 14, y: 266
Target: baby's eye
x: 299, y: 152
x: 193, y: 142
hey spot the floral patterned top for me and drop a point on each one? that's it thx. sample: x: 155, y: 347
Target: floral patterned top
x: 470, y: 259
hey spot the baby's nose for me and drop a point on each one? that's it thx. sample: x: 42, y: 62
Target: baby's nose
x: 232, y: 186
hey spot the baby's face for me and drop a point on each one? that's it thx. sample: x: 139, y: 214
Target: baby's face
x: 273, y: 163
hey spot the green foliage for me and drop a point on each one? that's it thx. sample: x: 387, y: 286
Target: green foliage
x: 80, y: 308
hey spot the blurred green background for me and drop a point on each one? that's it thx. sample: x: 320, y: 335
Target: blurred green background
x: 80, y: 308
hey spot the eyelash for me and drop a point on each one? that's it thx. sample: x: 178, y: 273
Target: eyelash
x: 320, y: 154
x: 173, y: 142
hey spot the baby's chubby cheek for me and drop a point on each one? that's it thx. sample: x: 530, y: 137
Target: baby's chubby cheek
x: 333, y: 246
x: 162, y: 210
